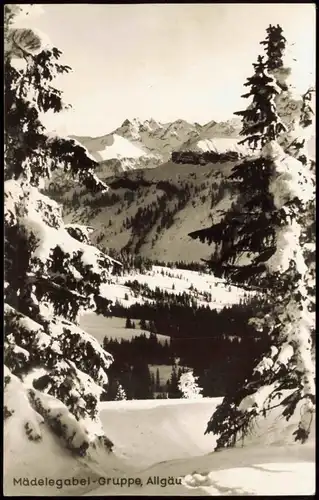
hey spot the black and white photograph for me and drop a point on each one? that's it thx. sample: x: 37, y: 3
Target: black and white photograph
x: 159, y: 249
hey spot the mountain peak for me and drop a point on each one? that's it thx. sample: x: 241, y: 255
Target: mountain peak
x: 153, y: 123
x: 128, y: 122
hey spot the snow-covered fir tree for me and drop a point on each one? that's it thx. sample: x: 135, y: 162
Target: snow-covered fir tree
x: 266, y: 241
x: 188, y: 385
x: 295, y: 110
x: 260, y: 120
x: 54, y: 371
x: 120, y: 393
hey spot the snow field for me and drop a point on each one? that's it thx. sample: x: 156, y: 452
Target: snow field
x: 120, y: 147
x: 150, y: 431
x: 165, y: 439
x: 100, y: 327
x: 258, y: 479
x: 220, y: 145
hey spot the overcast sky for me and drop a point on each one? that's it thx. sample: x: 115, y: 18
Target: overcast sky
x: 165, y: 61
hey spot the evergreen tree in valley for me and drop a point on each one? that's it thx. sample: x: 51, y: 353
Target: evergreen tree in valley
x: 111, y: 392
x: 174, y: 391
x: 54, y: 371
x: 141, y: 380
x: 128, y: 323
x: 120, y: 393
x: 153, y: 383
x: 158, y: 381
x: 259, y: 243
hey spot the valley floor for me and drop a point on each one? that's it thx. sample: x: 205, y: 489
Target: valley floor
x: 159, y: 441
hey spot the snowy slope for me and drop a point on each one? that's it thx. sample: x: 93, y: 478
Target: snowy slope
x: 114, y: 328
x: 195, y: 284
x: 164, y: 439
x: 112, y: 147
x: 31, y: 450
x: 119, y: 147
x: 182, y: 431
x: 217, y: 145
x: 229, y: 128
x: 148, y: 432
x: 174, y: 281
x: 218, y: 137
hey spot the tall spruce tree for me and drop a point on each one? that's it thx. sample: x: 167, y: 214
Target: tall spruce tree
x: 260, y: 243
x: 275, y: 45
x: 52, y: 272
x: 260, y: 121
x: 295, y: 110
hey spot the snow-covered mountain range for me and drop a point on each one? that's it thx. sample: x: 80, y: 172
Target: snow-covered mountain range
x: 146, y: 144
x: 155, y: 201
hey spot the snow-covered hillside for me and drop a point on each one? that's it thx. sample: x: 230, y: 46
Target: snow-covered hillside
x: 119, y: 147
x: 117, y: 152
x: 114, y: 328
x: 221, y: 136
x: 158, y: 440
x: 217, y: 145
x: 177, y: 281
x: 204, y: 289
x: 229, y: 128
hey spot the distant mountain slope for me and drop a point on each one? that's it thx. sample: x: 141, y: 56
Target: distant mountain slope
x: 152, y: 211
x: 118, y: 147
x: 218, y: 145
